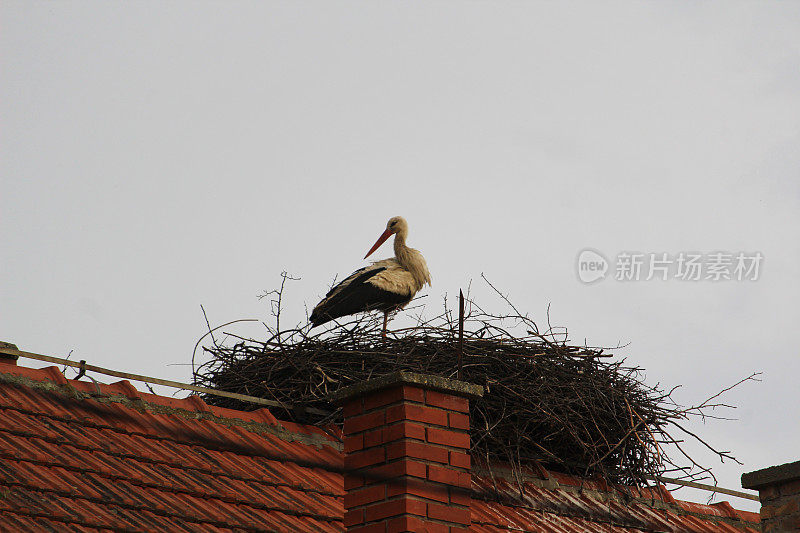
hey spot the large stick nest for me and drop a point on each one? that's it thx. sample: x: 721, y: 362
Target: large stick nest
x: 575, y: 409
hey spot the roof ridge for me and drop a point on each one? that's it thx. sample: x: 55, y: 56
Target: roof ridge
x: 192, y: 408
x: 623, y: 494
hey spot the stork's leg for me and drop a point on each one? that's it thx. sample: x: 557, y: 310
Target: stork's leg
x: 385, y: 319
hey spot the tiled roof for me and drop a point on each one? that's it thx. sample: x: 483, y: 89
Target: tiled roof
x: 76, y: 456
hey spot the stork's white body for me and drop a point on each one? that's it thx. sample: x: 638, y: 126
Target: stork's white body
x: 385, y: 285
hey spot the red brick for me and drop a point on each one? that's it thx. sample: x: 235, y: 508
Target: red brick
x: 418, y: 413
x: 768, y: 493
x: 446, y: 401
x: 447, y: 437
x: 353, y: 482
x: 418, y: 450
x: 460, y: 496
x: 400, y: 506
x: 374, y: 437
x: 357, y: 498
x: 792, y: 487
x: 783, y: 507
x: 384, y: 397
x: 352, y: 408
x: 394, y: 395
x: 458, y: 420
x: 449, y: 513
x: 420, y: 488
x: 364, y: 422
x: 354, y: 443
x: 448, y: 476
x: 392, y: 433
x: 354, y: 517
x: 414, y: 394
x: 781, y: 525
x: 372, y: 528
x: 408, y: 467
x: 395, y: 450
x: 460, y: 460
x: 404, y: 430
x: 364, y: 458
x: 412, y: 523
x: 793, y: 522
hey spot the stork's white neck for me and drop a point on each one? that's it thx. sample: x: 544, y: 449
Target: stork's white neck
x: 401, y: 251
x: 411, y: 260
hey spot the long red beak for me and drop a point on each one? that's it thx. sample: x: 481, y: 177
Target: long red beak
x: 382, y: 239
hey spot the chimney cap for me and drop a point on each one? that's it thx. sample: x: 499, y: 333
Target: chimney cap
x: 771, y: 476
x: 7, y: 347
x: 426, y: 381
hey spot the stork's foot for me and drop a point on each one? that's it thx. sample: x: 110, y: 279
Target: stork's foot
x: 385, y: 320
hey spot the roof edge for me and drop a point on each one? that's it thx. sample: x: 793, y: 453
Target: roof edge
x: 123, y: 392
x: 655, y: 497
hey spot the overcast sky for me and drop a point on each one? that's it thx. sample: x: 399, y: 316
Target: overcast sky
x: 159, y: 156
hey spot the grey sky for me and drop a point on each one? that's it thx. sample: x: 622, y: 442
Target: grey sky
x: 156, y: 156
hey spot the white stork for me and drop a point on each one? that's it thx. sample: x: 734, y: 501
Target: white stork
x: 386, y: 285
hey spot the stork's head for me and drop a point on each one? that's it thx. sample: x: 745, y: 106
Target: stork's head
x: 396, y: 225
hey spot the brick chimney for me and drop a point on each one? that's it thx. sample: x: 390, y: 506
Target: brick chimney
x: 406, y: 446
x: 779, y: 491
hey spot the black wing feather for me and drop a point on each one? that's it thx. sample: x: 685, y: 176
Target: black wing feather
x: 333, y: 289
x: 358, y: 295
